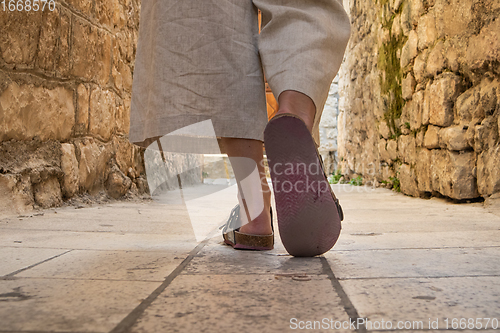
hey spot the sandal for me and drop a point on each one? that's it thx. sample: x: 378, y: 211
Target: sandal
x: 232, y: 236
x: 309, y: 214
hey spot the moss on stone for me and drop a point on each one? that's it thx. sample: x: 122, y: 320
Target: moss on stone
x: 392, y: 74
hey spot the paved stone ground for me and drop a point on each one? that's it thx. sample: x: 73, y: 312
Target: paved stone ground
x: 137, y: 267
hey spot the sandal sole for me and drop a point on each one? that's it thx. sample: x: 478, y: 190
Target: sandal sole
x: 308, y: 217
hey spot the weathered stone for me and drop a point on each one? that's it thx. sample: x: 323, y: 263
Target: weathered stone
x: 423, y: 170
x: 91, y: 52
x: 452, y: 174
x: 419, y: 139
x: 431, y: 138
x: 396, y: 27
x: 407, y: 149
x: 124, y: 151
x: 69, y: 166
x: 92, y: 164
x: 453, y: 17
x: 452, y: 56
x: 48, y: 193
x: 392, y: 149
x: 426, y: 107
x: 488, y: 171
x: 384, y: 154
x: 416, y: 110
x: 426, y: 30
x: 84, y: 6
x: 82, y: 112
x: 16, y: 194
x: 442, y: 95
x: 419, y: 65
x: 409, y: 51
x: 19, y: 37
x: 408, y: 86
x: 408, y: 181
x: 102, y: 121
x: 486, y: 134
x: 117, y: 184
x: 453, y: 138
x: 49, y: 35
x: 384, y: 130
x: 466, y: 104
x: 485, y: 47
x: 436, y: 61
x: 30, y: 111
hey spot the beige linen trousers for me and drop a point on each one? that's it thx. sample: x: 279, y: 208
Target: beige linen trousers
x: 203, y: 60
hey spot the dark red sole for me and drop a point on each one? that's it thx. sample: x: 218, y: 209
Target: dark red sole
x: 308, y: 218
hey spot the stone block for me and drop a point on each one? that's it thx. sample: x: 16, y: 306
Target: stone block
x: 19, y: 37
x: 117, y: 184
x: 91, y: 52
x: 82, y: 111
x: 486, y: 134
x: 436, y: 62
x: 49, y: 36
x: 124, y: 153
x: 431, y: 138
x: 453, y: 174
x: 408, y: 86
x: 102, y: 117
x: 426, y: 30
x: 453, y: 17
x: 420, y: 64
x: 396, y: 27
x: 485, y: 47
x: 384, y: 154
x: 69, y: 167
x: 83, y: 6
x: 453, y: 138
x: 392, y: 149
x: 48, y: 193
x: 16, y: 194
x: 30, y: 111
x: 63, y: 60
x: 442, y: 95
x: 423, y: 170
x: 409, y: 50
x: 384, y: 130
x: 488, y: 171
x: 408, y: 181
x: 407, y: 149
x: 93, y: 159
x: 416, y: 110
x: 466, y: 104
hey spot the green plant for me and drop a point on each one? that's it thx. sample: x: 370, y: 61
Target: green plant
x: 396, y: 186
x: 358, y: 181
x: 335, y: 178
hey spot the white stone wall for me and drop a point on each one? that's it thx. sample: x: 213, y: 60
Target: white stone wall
x: 328, y: 131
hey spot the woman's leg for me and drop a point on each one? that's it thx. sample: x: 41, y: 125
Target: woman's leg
x: 252, y: 150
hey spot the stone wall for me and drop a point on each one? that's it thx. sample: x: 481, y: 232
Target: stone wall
x: 328, y: 128
x: 65, y: 88
x: 420, y: 96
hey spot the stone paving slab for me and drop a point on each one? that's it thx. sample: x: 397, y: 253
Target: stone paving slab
x: 241, y: 303
x: 151, y: 266
x: 15, y: 258
x: 52, y: 305
x: 410, y: 263
x: 422, y: 298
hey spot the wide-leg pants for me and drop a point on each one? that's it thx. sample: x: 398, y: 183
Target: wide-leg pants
x: 205, y: 60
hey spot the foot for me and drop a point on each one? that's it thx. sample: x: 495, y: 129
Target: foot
x: 262, y: 224
x: 299, y: 105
